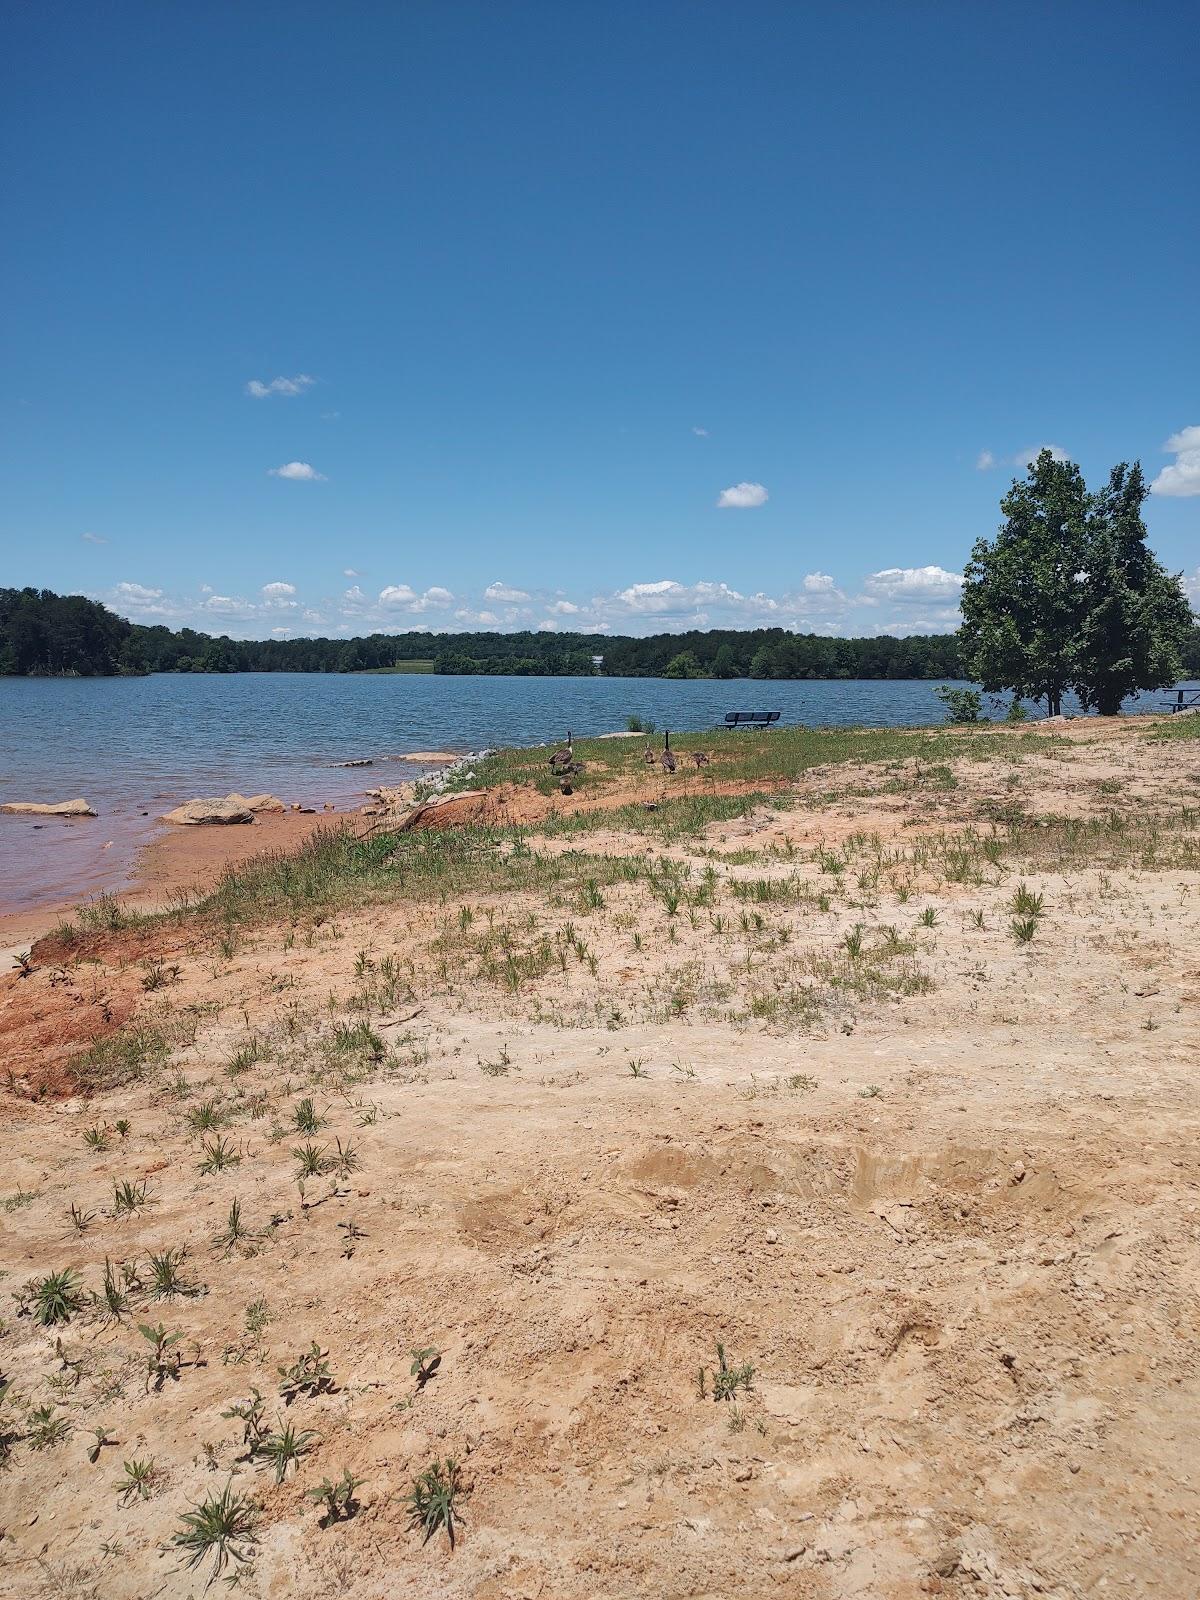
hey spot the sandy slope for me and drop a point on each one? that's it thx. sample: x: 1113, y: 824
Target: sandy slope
x: 955, y: 1232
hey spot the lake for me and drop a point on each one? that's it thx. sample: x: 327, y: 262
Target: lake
x: 135, y: 747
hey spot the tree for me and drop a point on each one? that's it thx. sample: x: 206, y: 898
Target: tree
x: 1023, y: 595
x: 1067, y: 596
x: 684, y: 665
x: 1136, y: 617
x: 724, y: 663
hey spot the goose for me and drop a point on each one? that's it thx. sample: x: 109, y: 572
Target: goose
x: 564, y: 755
x: 667, y: 759
x: 649, y: 758
x: 701, y: 760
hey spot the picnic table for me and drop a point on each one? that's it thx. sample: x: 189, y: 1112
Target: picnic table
x: 750, y: 719
x: 1180, y: 704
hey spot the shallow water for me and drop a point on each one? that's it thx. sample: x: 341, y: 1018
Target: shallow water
x: 135, y: 747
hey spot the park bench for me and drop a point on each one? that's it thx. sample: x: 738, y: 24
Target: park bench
x: 1180, y: 704
x: 751, y: 719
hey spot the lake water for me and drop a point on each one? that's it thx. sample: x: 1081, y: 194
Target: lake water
x: 135, y: 747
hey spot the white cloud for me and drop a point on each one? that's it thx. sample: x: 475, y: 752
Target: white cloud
x: 92, y: 538
x: 819, y: 583
x: 1182, y: 478
x: 282, y: 386
x: 1191, y: 587
x: 503, y: 591
x: 278, y: 591
x: 920, y: 585
x: 401, y: 597
x: 984, y: 461
x: 206, y: 588
x: 280, y: 631
x: 137, y: 592
x: 701, y: 433
x: 1026, y: 458
x: 562, y: 608
x: 742, y: 497
x: 297, y: 472
x: 349, y: 572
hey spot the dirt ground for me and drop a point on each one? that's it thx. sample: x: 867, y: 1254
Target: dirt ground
x: 817, y: 1087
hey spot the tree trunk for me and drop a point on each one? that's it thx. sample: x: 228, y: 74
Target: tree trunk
x: 1108, y: 704
x: 1054, y: 704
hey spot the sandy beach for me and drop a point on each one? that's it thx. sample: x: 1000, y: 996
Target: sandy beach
x: 867, y: 1059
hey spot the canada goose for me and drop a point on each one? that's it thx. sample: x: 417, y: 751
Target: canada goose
x: 667, y: 759
x: 649, y: 758
x: 699, y: 757
x: 564, y: 755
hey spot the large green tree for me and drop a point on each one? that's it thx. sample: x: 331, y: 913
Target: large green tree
x: 1136, y: 618
x: 1022, y: 594
x: 1068, y: 596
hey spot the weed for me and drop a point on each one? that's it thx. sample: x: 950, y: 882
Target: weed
x: 305, y: 1118
x: 928, y: 918
x: 283, y: 1449
x: 222, y: 1525
x: 235, y: 1230
x: 96, y: 1138
x: 129, y: 1196
x: 138, y: 1482
x: 57, y: 1297
x: 871, y: 1092
x: 337, y: 1499
x: 250, y: 1414
x: 311, y: 1160
x: 431, y: 1500
x: 165, y: 1271
x: 207, y: 1116
x: 1027, y: 904
x: 853, y: 942
x: 424, y: 1364
x: 45, y: 1429
x: 100, y: 1437
x: 637, y: 1068
x: 257, y: 1317
x: 218, y: 1154
x: 80, y: 1219
x: 309, y: 1374
x: 346, y: 1160
x: 158, y: 975
x: 164, y: 1360
x: 1023, y: 929
x: 726, y: 1380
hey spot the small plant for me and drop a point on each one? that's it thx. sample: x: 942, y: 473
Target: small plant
x: 45, y: 1429
x: 257, y: 1317
x: 250, y: 1414
x: 57, y: 1297
x: 346, y: 1160
x: 283, y: 1449
x: 24, y: 964
x: 871, y: 1092
x: 235, y: 1230
x: 727, y: 1380
x: 853, y: 942
x: 308, y: 1374
x: 221, y: 1526
x: 164, y: 1360
x: 100, y: 1437
x: 424, y: 1364
x: 962, y: 705
x: 158, y: 975
x: 311, y: 1160
x: 207, y: 1116
x: 218, y: 1154
x: 114, y: 1295
x: 129, y: 1196
x: 138, y: 1482
x: 1027, y: 904
x: 353, y: 1233
x: 430, y: 1502
x: 337, y: 1499
x: 96, y: 1138
x: 1023, y: 929
x: 80, y: 1219
x: 122, y: 1127
x: 305, y: 1118
x: 928, y: 918
x: 165, y: 1272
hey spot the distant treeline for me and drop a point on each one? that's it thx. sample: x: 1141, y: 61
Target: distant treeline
x: 43, y: 634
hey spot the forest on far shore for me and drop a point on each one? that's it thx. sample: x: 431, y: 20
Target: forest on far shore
x: 43, y: 634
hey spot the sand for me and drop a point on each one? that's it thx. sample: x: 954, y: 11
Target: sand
x: 953, y: 1224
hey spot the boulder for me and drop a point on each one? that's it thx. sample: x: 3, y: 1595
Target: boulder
x: 59, y: 808
x: 262, y: 803
x: 234, y: 808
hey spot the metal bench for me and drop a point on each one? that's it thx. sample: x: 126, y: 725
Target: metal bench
x: 1180, y: 704
x: 750, y: 719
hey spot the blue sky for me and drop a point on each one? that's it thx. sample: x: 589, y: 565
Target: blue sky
x: 604, y: 315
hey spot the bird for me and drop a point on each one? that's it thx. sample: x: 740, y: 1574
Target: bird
x: 649, y: 757
x: 701, y: 760
x: 563, y: 756
x: 667, y: 759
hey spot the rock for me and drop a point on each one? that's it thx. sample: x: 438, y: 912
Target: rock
x: 363, y: 761
x: 262, y: 803
x: 234, y: 808
x: 58, y: 808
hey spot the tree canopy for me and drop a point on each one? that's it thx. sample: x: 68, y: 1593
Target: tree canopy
x: 1068, y: 595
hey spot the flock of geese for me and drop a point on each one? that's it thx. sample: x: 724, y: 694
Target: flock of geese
x: 564, y: 765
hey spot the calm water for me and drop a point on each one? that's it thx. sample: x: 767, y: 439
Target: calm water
x: 134, y: 747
